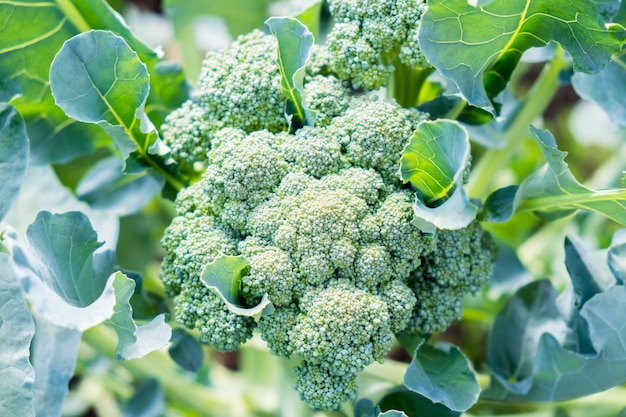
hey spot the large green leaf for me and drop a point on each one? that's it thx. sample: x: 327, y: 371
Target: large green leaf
x: 31, y: 34
x: 294, y: 47
x: 148, y: 400
x: 134, y: 341
x: 241, y: 16
x: 13, y: 156
x: 186, y: 350
x: 64, y: 246
x: 607, y: 88
x: 478, y: 47
x: 54, y: 353
x: 223, y: 276
x: 433, y: 163
x: 553, y: 192
x: 16, y: 331
x: 549, y: 347
x: 617, y: 256
x: 97, y: 78
x: 414, y: 404
x: 443, y: 376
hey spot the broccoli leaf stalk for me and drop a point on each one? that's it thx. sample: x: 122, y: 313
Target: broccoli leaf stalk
x: 406, y: 82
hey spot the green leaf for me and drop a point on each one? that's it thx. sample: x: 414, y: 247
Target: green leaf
x: 553, y: 192
x: 148, y: 400
x: 413, y: 404
x: 32, y: 34
x: 106, y: 187
x: 16, y: 331
x: 443, y: 376
x: 168, y: 90
x: 241, y: 16
x: 617, y: 256
x: 42, y: 190
x: 97, y: 78
x: 479, y: 47
x: 223, y: 276
x: 608, y: 88
x: 433, y: 163
x: 311, y: 16
x: 294, y: 47
x: 13, y: 156
x: 133, y: 341
x: 54, y: 352
x: 392, y: 413
x: 186, y: 350
x: 545, y: 347
x: 366, y: 408
x: 65, y: 246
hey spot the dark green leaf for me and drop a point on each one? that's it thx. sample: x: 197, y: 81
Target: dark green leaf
x: 392, y: 413
x: 294, y: 47
x: 553, y: 192
x: 168, y: 90
x: 65, y: 246
x: 106, y: 187
x: 133, y: 341
x: 443, y: 376
x: 414, y: 405
x: 366, y: 408
x: 54, y: 352
x: 186, y: 350
x: 13, y: 156
x: 32, y: 34
x: 433, y: 162
x: 479, y: 47
x: 223, y: 276
x: 148, y: 400
x: 241, y: 16
x: 16, y: 331
x: 608, y: 88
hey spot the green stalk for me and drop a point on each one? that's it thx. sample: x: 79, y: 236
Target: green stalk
x: 406, y: 82
x: 533, y: 106
x: 158, y: 365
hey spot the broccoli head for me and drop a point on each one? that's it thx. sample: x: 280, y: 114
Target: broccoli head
x: 320, y: 215
x: 371, y: 38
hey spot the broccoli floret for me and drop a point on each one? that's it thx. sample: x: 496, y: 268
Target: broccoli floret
x: 371, y: 38
x: 239, y: 88
x: 320, y: 389
x: 322, y: 219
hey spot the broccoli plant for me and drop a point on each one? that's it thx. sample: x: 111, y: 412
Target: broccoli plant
x: 353, y: 208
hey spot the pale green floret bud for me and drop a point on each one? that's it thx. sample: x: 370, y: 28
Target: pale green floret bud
x: 188, y: 134
x: 321, y: 390
x: 240, y: 85
x: 276, y: 329
x: 343, y: 328
x: 400, y: 301
x: 327, y: 97
x: 314, y: 152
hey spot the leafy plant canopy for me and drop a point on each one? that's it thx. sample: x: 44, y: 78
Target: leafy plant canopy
x: 372, y: 219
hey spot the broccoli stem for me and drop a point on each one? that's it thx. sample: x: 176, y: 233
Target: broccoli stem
x: 533, y: 106
x: 406, y: 82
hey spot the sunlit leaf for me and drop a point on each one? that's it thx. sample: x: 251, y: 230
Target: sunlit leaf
x: 294, y: 47
x: 32, y: 33
x: 553, y: 192
x: 97, y: 78
x: 16, y: 331
x: 13, y: 156
x: 433, y: 163
x: 478, y: 47
x: 64, y: 247
x: 223, y: 276
x: 134, y: 341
